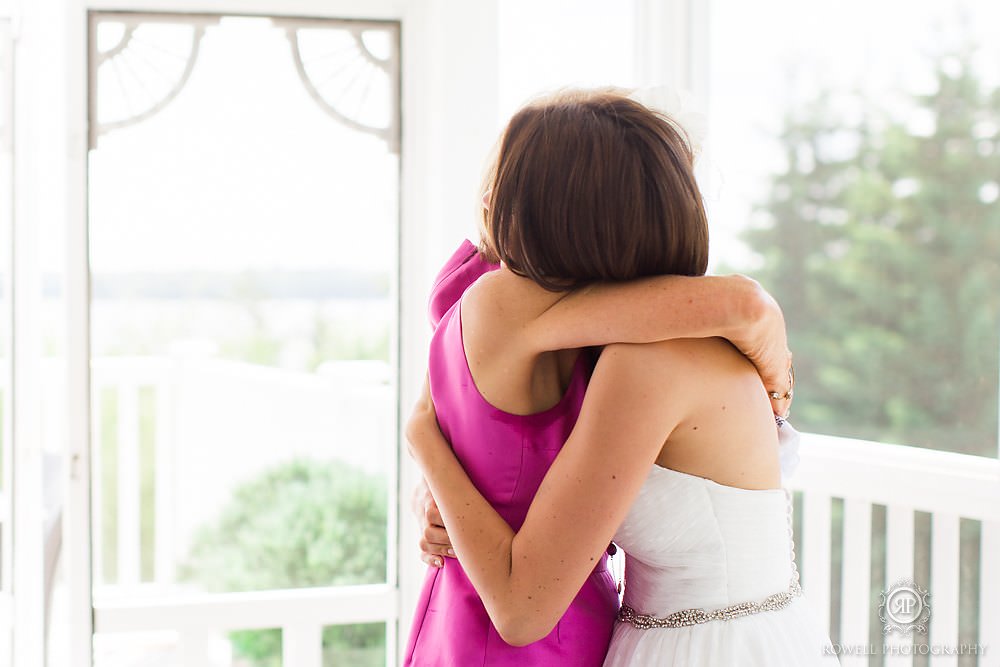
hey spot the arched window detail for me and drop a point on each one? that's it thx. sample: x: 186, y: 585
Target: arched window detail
x: 140, y: 66
x: 350, y: 73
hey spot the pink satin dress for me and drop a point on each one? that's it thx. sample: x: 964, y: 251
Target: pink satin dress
x: 506, y: 456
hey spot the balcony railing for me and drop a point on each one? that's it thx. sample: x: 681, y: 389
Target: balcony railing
x: 905, y: 480
x: 271, y: 415
x: 840, y: 484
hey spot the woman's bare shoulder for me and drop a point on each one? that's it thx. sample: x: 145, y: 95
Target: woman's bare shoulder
x: 681, y: 355
x: 503, y: 298
x: 689, y: 370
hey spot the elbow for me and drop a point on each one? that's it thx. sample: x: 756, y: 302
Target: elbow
x: 522, y: 629
x: 755, y: 305
x: 422, y: 421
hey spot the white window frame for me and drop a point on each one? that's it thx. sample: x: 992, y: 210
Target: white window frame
x: 671, y: 45
x: 27, y: 501
x: 7, y: 261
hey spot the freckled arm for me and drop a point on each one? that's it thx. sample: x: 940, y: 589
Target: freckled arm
x: 528, y: 579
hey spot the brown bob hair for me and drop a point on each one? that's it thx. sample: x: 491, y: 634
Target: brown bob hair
x: 589, y: 185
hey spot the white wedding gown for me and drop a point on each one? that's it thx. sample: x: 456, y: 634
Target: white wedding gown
x: 691, y: 543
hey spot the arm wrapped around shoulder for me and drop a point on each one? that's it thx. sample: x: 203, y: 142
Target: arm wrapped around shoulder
x: 761, y: 336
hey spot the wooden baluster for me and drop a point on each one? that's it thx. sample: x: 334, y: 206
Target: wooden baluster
x: 816, y: 554
x: 855, y: 597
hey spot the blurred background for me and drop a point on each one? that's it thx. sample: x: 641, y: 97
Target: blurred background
x: 218, y: 225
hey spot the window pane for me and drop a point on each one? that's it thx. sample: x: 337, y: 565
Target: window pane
x: 243, y: 238
x: 361, y: 645
x: 854, y: 170
x: 550, y: 44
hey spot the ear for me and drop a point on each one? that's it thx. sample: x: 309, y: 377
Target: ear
x: 486, y: 199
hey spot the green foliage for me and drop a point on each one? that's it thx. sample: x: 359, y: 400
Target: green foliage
x: 330, y: 338
x: 882, y: 242
x: 303, y: 523
x: 345, y: 340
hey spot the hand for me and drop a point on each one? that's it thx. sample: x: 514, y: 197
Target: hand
x: 434, y: 542
x: 764, y: 341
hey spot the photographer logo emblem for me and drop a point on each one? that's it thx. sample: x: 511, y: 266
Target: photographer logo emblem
x: 904, y: 608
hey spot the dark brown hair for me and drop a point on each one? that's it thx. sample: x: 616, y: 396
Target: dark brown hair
x: 589, y: 186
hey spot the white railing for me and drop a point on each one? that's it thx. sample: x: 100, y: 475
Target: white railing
x: 216, y: 423
x: 905, y: 480
x: 301, y: 615
x: 950, y: 487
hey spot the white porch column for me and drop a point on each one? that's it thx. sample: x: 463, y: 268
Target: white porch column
x: 671, y: 42
x: 39, y: 143
x: 6, y: 261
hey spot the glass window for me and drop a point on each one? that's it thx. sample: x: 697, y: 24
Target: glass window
x: 550, y: 44
x: 853, y: 168
x: 244, y: 196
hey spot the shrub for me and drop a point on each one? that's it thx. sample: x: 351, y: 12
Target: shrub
x: 300, y: 524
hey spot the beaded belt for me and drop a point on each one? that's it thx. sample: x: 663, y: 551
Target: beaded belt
x: 688, y: 617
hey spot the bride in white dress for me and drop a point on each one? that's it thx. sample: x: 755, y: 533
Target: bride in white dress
x: 726, y: 553
x: 675, y: 455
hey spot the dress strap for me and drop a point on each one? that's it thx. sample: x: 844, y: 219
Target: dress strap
x: 462, y: 269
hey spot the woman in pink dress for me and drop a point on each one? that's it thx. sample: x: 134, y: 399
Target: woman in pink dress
x: 609, y: 217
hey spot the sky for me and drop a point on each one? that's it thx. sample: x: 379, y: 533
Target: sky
x: 770, y: 55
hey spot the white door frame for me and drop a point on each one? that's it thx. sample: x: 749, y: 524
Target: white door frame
x: 671, y: 44
x: 449, y: 103
x: 35, y: 164
x: 7, y: 262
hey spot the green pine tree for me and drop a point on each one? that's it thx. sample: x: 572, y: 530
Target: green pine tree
x: 886, y: 259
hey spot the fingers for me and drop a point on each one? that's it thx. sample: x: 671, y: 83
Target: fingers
x: 781, y: 406
x: 432, y: 551
x: 433, y: 514
x: 781, y: 399
x: 438, y: 537
x: 435, y: 546
x: 433, y: 561
x: 435, y: 549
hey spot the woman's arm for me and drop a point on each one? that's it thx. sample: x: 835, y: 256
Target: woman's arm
x: 527, y: 580
x: 666, y: 307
